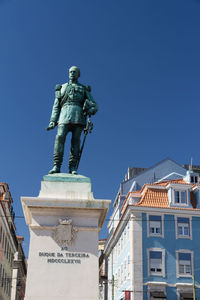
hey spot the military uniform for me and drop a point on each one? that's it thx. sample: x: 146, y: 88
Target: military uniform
x: 70, y: 113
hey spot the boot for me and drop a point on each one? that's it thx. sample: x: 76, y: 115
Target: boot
x: 73, y: 170
x: 56, y: 169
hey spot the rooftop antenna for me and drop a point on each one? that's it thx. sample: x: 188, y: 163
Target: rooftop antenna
x: 154, y: 177
x: 190, y: 166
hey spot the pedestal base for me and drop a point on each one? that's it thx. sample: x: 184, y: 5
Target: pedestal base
x: 64, y: 222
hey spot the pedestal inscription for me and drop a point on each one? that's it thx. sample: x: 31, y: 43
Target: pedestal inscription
x: 64, y: 257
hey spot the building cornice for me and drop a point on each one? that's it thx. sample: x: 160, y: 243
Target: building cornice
x: 179, y: 186
x: 167, y: 210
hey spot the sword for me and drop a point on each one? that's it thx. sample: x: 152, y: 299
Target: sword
x: 88, y: 128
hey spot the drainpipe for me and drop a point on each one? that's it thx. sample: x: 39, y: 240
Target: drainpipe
x: 194, y: 292
x: 131, y: 227
x: 113, y: 279
x: 113, y: 287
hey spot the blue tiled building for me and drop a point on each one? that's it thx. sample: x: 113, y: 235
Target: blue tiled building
x: 154, y: 236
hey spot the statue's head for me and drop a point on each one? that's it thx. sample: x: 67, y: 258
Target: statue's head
x: 74, y: 73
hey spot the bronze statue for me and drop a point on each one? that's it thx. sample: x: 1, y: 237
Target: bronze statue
x: 73, y: 103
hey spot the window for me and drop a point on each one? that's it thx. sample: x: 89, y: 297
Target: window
x: 183, y: 227
x: 156, y: 262
x: 114, y: 254
x: 125, y: 235
x: 194, y: 179
x: 119, y: 247
x: 0, y: 234
x: 180, y: 197
x: 8, y: 251
x: 119, y: 278
x: 122, y: 241
x: 122, y: 276
x: 115, y: 276
x: 187, y: 295
x: 155, y: 225
x: 125, y: 270
x: 2, y: 277
x: 3, y: 238
x: 5, y: 248
x: 158, y: 293
x: 128, y: 266
x: 128, y: 230
x: 184, y: 263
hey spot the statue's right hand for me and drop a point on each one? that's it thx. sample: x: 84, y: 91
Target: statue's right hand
x: 51, y: 125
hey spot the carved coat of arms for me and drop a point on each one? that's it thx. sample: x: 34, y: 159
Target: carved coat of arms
x: 65, y: 233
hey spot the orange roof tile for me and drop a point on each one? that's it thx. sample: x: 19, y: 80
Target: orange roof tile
x: 154, y: 198
x: 165, y: 183
x: 158, y: 197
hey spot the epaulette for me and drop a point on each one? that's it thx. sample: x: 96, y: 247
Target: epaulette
x: 88, y: 88
x: 58, y: 87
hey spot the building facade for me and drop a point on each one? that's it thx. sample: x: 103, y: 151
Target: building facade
x: 153, y: 243
x: 9, y: 244
x: 103, y: 272
x: 19, y: 271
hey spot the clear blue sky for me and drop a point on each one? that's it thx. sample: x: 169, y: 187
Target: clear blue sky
x: 142, y: 59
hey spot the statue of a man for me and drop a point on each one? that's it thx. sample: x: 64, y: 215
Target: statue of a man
x: 72, y: 104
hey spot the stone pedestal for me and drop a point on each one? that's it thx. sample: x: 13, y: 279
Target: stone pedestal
x: 64, y: 222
